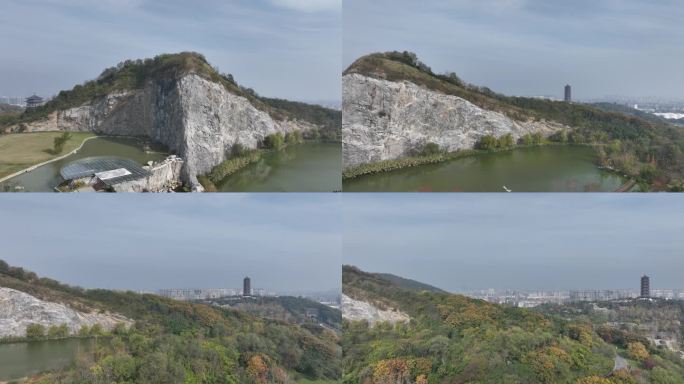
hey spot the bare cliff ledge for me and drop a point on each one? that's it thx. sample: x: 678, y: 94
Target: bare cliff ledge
x: 359, y: 310
x: 19, y: 309
x: 391, y: 109
x: 177, y: 100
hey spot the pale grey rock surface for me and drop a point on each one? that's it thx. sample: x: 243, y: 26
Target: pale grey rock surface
x: 163, y: 177
x: 356, y: 310
x: 19, y: 309
x: 384, y: 120
x: 197, y: 119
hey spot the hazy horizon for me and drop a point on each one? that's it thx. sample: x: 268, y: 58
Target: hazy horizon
x: 283, y: 242
x: 531, y: 47
x: 281, y: 48
x: 527, y: 242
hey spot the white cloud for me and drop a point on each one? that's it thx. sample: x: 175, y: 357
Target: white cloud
x: 309, y: 5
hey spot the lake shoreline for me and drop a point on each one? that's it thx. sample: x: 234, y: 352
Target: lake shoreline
x: 386, y: 166
x: 530, y: 168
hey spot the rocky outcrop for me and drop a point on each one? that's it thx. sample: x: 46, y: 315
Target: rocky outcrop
x: 356, y: 310
x: 19, y: 309
x: 384, y: 120
x: 163, y: 177
x: 195, y: 118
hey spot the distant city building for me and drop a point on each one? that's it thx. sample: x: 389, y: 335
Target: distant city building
x: 34, y: 101
x: 600, y: 295
x: 13, y: 100
x: 568, y: 93
x: 645, y: 286
x: 197, y: 294
x: 246, y: 287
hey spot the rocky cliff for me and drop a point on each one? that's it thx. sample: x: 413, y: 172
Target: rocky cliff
x: 196, y: 118
x: 356, y: 310
x: 19, y: 309
x: 384, y: 119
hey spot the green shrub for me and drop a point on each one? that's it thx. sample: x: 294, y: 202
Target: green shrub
x: 58, y: 331
x: 487, y: 143
x: 237, y: 150
x: 294, y: 137
x: 228, y: 167
x: 96, y: 330
x: 505, y: 141
x: 35, y: 331
x: 430, y: 149
x: 274, y: 141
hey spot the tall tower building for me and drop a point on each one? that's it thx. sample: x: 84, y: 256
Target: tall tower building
x: 645, y: 286
x: 568, y: 93
x: 246, y: 287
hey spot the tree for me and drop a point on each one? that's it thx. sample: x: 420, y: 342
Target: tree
x: 637, y: 351
x: 35, y: 331
x: 257, y: 369
x: 59, y: 141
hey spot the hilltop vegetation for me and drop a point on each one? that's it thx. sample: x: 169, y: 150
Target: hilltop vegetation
x: 179, y: 342
x: 649, y: 150
x: 165, y: 68
x: 286, y: 308
x: 455, y: 339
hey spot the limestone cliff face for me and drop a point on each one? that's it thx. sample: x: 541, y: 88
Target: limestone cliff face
x: 384, y: 120
x: 19, y: 309
x: 197, y: 119
x: 356, y: 310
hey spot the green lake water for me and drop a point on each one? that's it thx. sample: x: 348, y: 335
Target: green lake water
x: 46, y: 177
x: 534, y: 169
x: 19, y: 360
x: 309, y: 167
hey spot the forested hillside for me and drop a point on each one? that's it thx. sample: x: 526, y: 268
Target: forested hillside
x: 286, y: 308
x: 455, y: 339
x: 179, y: 342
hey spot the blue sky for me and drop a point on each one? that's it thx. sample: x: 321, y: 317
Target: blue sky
x: 532, y: 47
x: 518, y: 241
x: 284, y: 242
x: 281, y: 48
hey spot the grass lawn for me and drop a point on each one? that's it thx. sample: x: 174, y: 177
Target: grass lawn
x: 22, y: 150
